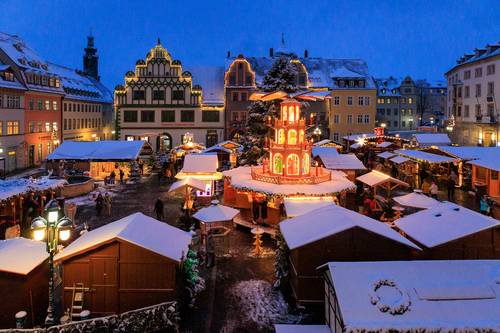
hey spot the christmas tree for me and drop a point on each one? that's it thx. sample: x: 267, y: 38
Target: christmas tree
x: 281, y: 263
x: 193, y: 282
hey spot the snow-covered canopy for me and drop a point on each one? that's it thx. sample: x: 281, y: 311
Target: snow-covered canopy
x: 375, y: 178
x: 432, y: 139
x: 342, y: 162
x: 355, y: 137
x: 443, y: 223
x: 386, y: 154
x: 300, y: 206
x: 486, y: 157
x: 322, y: 142
x: 431, y: 296
x: 417, y: 200
x: 399, y: 159
x: 99, y: 150
x: 423, y: 156
x: 12, y: 187
x: 187, y: 182
x: 216, y: 213
x: 384, y: 144
x: 200, y: 165
x: 330, y: 220
x: 241, y: 178
x: 21, y: 255
x: 286, y: 328
x: 138, y: 229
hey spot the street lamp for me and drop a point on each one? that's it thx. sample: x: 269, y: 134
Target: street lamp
x: 317, y: 133
x: 51, y: 230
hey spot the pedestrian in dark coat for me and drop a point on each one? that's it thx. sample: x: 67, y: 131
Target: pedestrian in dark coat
x: 122, y: 174
x: 99, y: 204
x: 159, y: 207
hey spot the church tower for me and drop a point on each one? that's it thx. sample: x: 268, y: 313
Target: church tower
x: 90, y: 59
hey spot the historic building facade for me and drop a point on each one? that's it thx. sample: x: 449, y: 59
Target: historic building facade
x: 244, y: 75
x: 35, y: 95
x: 473, y: 97
x: 159, y: 103
x: 405, y: 104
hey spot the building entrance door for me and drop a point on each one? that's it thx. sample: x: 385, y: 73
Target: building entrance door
x: 104, y: 285
x: 31, y: 156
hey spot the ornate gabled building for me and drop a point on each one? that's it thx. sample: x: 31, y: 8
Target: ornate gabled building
x: 159, y: 103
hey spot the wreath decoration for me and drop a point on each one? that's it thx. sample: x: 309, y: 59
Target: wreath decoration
x: 401, y: 306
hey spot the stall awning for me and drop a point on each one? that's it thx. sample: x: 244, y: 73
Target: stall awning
x: 416, y: 200
x: 422, y: 156
x: 299, y: 206
x: 399, y: 159
x: 99, y: 150
x: 376, y: 178
x: 187, y: 182
x: 216, y: 213
x: 386, y: 154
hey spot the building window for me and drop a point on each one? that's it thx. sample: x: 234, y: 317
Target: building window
x: 395, y: 112
x: 336, y: 100
x: 210, y: 116
x: 491, y: 88
x: 478, y: 90
x: 388, y: 112
x: 367, y: 118
x: 403, y: 112
x: 158, y: 95
x: 31, y: 127
x: 360, y: 118
x: 47, y: 105
x: 381, y: 111
x: 466, y: 91
x: 54, y: 105
x: 13, y: 102
x: 147, y: 116
x: 65, y: 124
x: 12, y: 127
x: 388, y: 100
x: 39, y: 155
x: 129, y: 116
x: 336, y: 119
x: 336, y: 137
x: 410, y: 111
x: 31, y: 104
x: 234, y: 96
x: 349, y: 100
x: 187, y: 116
x: 361, y: 100
x: 403, y: 123
x: 395, y: 124
x: 47, y: 127
x: 380, y: 100
x: 478, y: 72
x: 178, y: 95
x: 403, y: 100
x: 212, y: 138
x: 410, y: 100
x: 1, y: 128
x: 40, y: 127
x: 466, y: 111
x: 367, y: 100
x: 138, y: 95
x: 168, y: 116
x: 349, y: 118
x: 410, y: 123
x: 466, y: 75
x: 490, y: 69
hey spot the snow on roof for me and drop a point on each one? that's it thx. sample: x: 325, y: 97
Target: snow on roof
x: 200, y: 163
x: 471, y: 152
x: 343, y: 162
x: 386, y: 154
x: 297, y: 206
x: 98, y: 150
x: 17, y: 186
x: 489, y: 163
x: 215, y: 213
x: 441, y: 296
x: 385, y: 144
x: 374, y: 178
x: 322, y: 142
x: 211, y: 80
x: 443, y: 223
x: 399, y: 159
x: 188, y: 181
x: 241, y: 178
x: 138, y: 229
x: 330, y: 220
x: 422, y: 155
x: 417, y: 200
x: 21, y: 255
x: 434, y: 139
x: 354, y: 137
x: 283, y: 328
x: 324, y: 152
x: 18, y: 51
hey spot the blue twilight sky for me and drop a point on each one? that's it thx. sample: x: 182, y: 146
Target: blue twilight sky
x: 419, y: 38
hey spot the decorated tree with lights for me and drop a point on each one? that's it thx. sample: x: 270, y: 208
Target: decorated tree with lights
x: 193, y: 282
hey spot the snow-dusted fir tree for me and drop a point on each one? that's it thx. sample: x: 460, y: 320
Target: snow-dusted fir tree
x: 193, y: 282
x: 282, y: 76
x: 281, y: 263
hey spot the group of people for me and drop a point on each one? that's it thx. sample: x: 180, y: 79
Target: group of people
x: 111, y: 179
x: 103, y: 201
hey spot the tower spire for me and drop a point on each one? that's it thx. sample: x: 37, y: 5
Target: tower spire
x: 158, y: 41
x: 283, y: 40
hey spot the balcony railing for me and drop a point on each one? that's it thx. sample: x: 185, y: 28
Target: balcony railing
x: 259, y: 175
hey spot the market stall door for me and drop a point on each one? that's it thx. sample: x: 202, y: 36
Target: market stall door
x: 104, y: 279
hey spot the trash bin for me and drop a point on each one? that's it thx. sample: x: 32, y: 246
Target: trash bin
x: 84, y: 315
x: 21, y: 319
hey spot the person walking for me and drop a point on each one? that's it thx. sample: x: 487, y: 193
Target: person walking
x: 112, y: 177
x: 434, y: 190
x: 452, y: 180
x: 484, y: 206
x: 141, y: 167
x: 107, y: 202
x: 122, y: 174
x: 99, y: 204
x: 159, y: 207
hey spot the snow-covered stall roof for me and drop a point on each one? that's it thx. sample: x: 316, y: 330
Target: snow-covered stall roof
x: 424, y: 156
x: 432, y: 296
x: 211, y: 80
x: 21, y: 255
x: 12, y: 187
x: 187, y: 182
x: 343, y: 162
x: 385, y: 144
x: 300, y: 206
x: 215, y: 213
x: 486, y: 157
x: 324, y: 152
x: 432, y: 139
x: 138, y: 229
x: 355, y: 137
x: 285, y: 328
x: 417, y: 200
x: 241, y: 178
x: 330, y: 220
x: 399, y: 159
x: 386, y: 154
x: 98, y: 150
x: 374, y: 178
x: 443, y: 223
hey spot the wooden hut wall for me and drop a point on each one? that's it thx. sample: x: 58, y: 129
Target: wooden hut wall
x: 24, y: 293
x: 121, y: 277
x: 355, y: 244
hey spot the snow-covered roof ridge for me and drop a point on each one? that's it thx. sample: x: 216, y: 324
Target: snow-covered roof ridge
x: 422, y: 155
x: 443, y: 223
x: 342, y: 162
x: 138, y: 229
x: 431, y: 296
x: 330, y: 220
x: 21, y: 255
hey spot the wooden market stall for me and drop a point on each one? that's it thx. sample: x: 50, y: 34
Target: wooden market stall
x: 380, y: 181
x: 24, y: 272
x: 214, y: 216
x: 124, y: 265
x: 203, y: 167
x: 347, y: 163
x: 99, y: 158
x: 336, y: 233
x: 449, y: 231
x: 227, y: 152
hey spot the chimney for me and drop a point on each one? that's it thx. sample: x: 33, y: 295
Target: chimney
x: 229, y: 54
x: 271, y: 52
x: 306, y: 53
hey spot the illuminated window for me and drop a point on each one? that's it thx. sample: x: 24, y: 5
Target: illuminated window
x: 292, y: 137
x: 278, y: 163
x: 285, y: 115
x: 305, y: 164
x: 281, y: 136
x: 47, y: 127
x: 410, y: 100
x: 47, y: 105
x: 292, y: 164
x: 12, y: 127
x: 54, y: 105
x: 301, y: 136
x: 291, y: 114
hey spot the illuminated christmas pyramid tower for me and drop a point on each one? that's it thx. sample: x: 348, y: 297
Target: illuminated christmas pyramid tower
x: 289, y: 159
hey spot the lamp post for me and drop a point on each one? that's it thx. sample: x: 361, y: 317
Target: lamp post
x: 51, y: 230
x: 317, y: 133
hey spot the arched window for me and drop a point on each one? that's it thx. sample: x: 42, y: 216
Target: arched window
x: 281, y: 136
x: 292, y: 137
x: 301, y: 136
x: 291, y: 114
x: 164, y: 142
x: 306, y: 163
x: 278, y: 163
x: 292, y: 164
x: 284, y: 113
